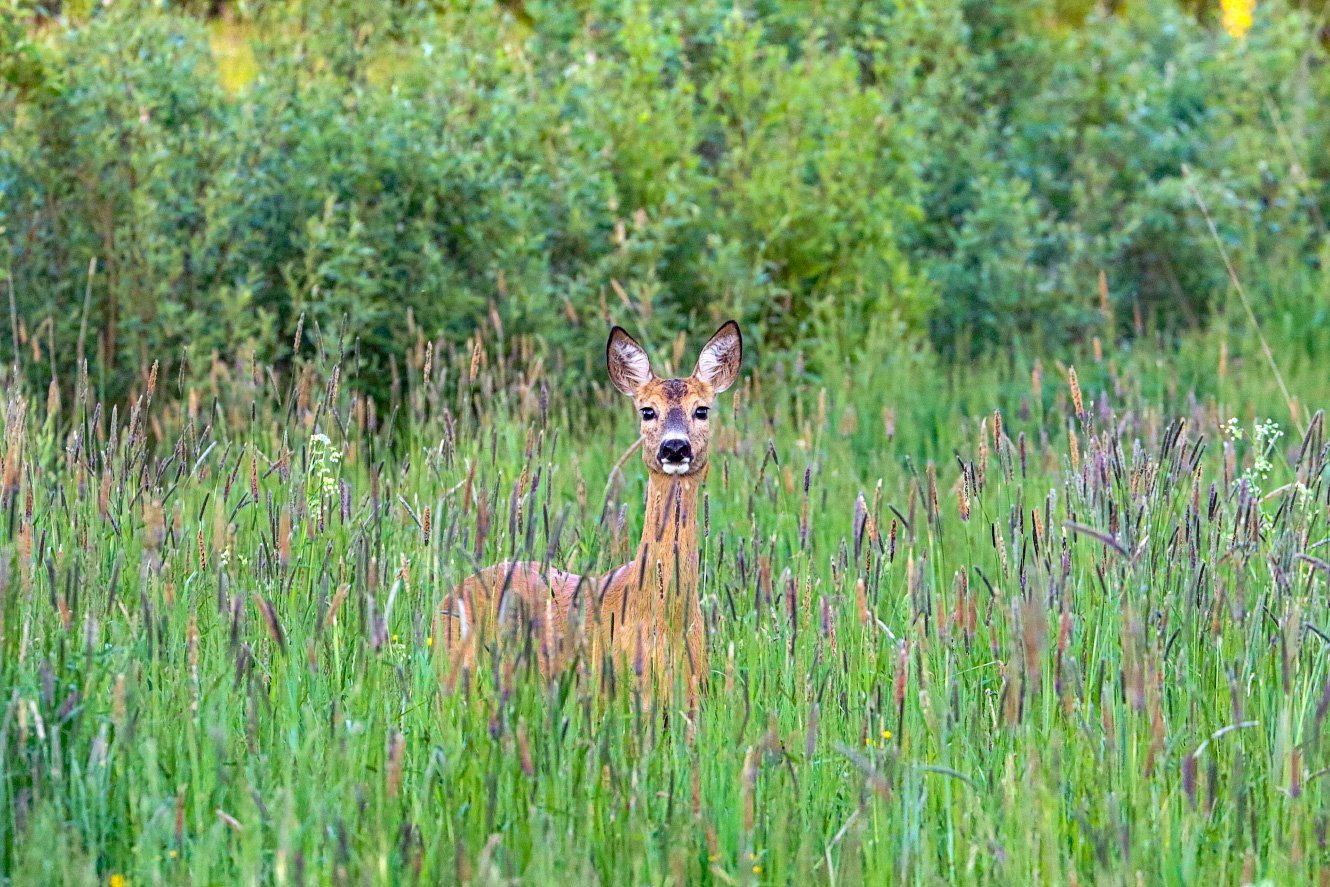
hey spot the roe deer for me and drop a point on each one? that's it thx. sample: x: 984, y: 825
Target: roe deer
x: 643, y: 614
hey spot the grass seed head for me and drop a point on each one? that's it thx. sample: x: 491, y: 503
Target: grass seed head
x: 1075, y: 385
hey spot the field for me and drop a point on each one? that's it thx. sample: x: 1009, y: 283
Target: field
x: 1017, y: 624
x: 1015, y: 538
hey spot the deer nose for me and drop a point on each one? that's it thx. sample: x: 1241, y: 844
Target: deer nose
x: 675, y: 450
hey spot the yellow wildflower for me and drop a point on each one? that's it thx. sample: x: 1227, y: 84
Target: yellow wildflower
x: 1237, y: 17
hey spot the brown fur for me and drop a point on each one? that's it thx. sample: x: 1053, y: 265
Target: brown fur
x: 644, y: 614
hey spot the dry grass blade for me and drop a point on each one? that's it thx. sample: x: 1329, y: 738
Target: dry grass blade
x: 1099, y: 536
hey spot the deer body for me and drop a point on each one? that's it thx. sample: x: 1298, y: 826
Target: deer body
x: 645, y: 614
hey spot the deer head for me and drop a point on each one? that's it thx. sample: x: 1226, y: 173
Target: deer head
x: 675, y: 413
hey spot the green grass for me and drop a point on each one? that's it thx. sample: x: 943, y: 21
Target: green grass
x: 201, y: 685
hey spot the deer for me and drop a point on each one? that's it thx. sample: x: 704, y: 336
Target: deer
x: 645, y: 614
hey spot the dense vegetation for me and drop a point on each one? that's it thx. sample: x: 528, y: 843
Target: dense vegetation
x: 960, y: 169
x: 1090, y: 647
x: 1014, y: 564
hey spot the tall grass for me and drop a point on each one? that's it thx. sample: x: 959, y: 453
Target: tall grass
x: 963, y: 629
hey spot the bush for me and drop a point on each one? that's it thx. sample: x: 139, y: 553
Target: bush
x: 966, y: 169
x: 476, y: 178
x: 1070, y: 145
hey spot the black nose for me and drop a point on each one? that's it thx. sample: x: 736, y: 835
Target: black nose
x: 675, y: 451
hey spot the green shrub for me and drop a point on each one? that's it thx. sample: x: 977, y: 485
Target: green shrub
x: 966, y: 169
x: 1072, y: 144
x: 120, y: 164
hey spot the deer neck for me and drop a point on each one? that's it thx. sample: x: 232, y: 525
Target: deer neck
x: 667, y: 558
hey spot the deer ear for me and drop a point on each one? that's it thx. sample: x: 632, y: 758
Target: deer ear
x: 627, y: 361
x: 718, y: 365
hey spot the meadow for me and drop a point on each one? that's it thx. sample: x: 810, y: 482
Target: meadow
x: 1008, y: 625
x: 1014, y: 542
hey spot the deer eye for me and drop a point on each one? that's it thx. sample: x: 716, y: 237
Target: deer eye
x: 648, y: 414
x: 701, y: 413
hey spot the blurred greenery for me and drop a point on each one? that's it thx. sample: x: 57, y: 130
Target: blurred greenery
x: 959, y: 172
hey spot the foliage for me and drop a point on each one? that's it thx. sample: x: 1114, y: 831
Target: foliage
x: 290, y: 355
x: 966, y: 169
x: 1072, y: 147
x: 475, y: 179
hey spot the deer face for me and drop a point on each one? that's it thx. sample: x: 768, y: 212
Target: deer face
x: 675, y: 414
